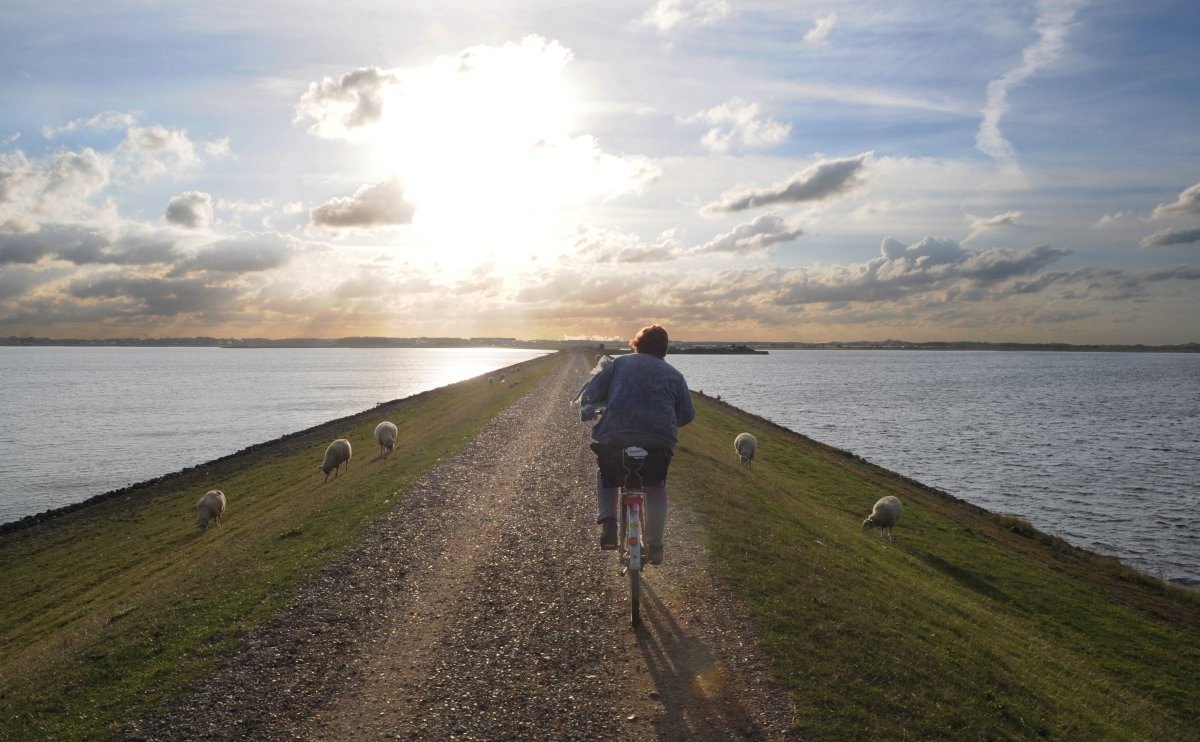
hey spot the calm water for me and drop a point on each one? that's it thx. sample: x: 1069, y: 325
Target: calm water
x: 1102, y: 449
x: 77, y: 422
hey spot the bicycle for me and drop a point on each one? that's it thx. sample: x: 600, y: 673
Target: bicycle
x: 632, y: 526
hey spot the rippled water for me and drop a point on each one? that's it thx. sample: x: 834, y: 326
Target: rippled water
x: 1102, y: 449
x: 79, y: 422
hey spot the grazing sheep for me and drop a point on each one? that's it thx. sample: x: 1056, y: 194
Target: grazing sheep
x: 385, y: 433
x: 337, y: 454
x: 885, y: 514
x: 209, y: 509
x: 745, y: 445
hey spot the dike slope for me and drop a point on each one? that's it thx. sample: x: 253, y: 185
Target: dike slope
x: 455, y: 590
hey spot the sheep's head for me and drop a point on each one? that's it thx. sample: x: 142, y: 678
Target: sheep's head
x: 868, y: 524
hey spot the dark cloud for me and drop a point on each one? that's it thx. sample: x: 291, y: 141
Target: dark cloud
x: 193, y: 210
x: 1166, y: 237
x: 18, y: 280
x: 817, y: 182
x: 157, y: 297
x: 370, y: 206
x: 84, y: 245
x: 934, y: 269
x: 247, y: 253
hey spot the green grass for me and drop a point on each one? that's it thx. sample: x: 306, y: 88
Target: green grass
x: 112, y: 608
x: 969, y: 625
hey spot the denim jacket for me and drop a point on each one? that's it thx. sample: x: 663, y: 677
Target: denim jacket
x: 645, y: 400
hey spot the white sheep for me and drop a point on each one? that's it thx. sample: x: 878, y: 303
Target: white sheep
x: 885, y: 515
x: 385, y: 433
x: 209, y: 509
x: 745, y: 445
x: 337, y: 454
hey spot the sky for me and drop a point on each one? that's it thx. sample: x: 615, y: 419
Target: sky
x: 731, y: 169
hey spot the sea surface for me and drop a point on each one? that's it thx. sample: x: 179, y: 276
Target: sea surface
x: 1101, y: 449
x: 80, y: 421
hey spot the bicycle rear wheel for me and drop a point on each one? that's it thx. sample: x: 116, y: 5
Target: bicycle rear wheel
x: 635, y: 595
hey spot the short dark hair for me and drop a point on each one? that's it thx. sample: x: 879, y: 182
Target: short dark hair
x: 651, y: 339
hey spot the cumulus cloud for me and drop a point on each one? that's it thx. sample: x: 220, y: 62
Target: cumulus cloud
x: 611, y: 246
x: 819, y: 33
x: 667, y: 14
x: 758, y: 236
x: 248, y: 252
x: 1166, y: 237
x: 107, y: 120
x: 1118, y: 217
x: 156, y: 150
x: 248, y: 207
x: 979, y: 225
x: 79, y: 173
x: 1051, y: 25
x: 1188, y: 203
x: 60, y: 184
x: 193, y: 210
x: 353, y: 101
x: 371, y: 206
x: 819, y: 181
x: 738, y: 123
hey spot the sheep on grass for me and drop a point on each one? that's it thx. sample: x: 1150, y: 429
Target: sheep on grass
x: 209, y: 509
x: 884, y: 515
x: 337, y: 454
x: 385, y: 434
x: 745, y: 445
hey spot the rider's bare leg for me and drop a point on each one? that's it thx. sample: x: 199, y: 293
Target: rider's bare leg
x: 606, y: 501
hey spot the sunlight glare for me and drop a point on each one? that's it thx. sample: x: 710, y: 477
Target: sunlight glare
x: 481, y: 142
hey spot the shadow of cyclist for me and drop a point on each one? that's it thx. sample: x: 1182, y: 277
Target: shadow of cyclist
x: 695, y: 689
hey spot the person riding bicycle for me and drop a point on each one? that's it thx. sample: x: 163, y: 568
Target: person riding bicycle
x: 645, y: 400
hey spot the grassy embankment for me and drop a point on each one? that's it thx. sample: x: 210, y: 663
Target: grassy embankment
x: 970, y: 625
x: 120, y: 604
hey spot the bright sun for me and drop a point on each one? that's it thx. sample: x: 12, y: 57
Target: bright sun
x: 481, y: 144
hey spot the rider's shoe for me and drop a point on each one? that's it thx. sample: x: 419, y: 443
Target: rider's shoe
x: 608, y: 536
x: 655, y: 555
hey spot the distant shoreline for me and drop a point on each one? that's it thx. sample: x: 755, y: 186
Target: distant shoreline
x: 702, y: 347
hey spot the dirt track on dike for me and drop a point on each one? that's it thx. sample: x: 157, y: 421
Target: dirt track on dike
x: 481, y: 608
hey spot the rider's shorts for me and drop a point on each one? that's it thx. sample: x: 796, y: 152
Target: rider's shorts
x: 618, y: 472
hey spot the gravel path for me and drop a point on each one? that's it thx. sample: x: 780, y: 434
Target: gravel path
x: 482, y: 609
